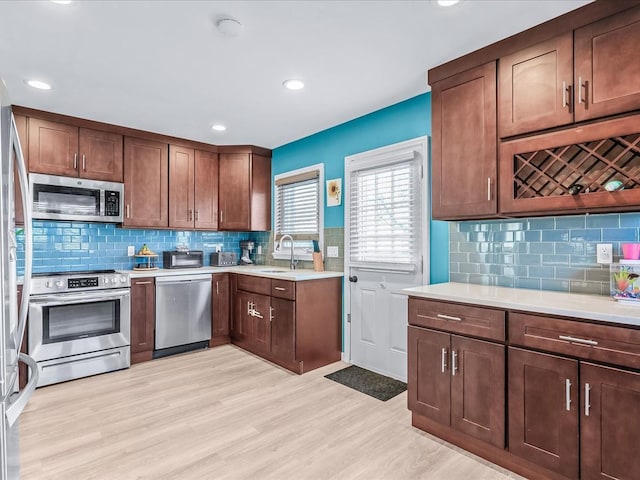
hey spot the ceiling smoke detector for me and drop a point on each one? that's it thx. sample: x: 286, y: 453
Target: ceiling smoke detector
x: 229, y: 27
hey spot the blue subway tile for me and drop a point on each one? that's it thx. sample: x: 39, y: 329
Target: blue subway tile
x: 526, y: 282
x: 570, y: 273
x: 528, y: 259
x: 603, y: 221
x: 541, y: 272
x: 630, y: 220
x: 575, y: 248
x: 555, y: 285
x: 541, y: 247
x: 586, y: 235
x: 620, y: 234
x: 532, y: 236
x: 542, y: 223
x: 555, y: 235
x: 570, y: 222
x: 555, y: 259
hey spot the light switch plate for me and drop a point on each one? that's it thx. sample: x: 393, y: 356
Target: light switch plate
x: 604, y: 253
x: 332, y: 251
x: 259, y: 250
x: 131, y: 251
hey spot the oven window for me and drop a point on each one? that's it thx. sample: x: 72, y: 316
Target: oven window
x: 80, y: 320
x: 57, y: 199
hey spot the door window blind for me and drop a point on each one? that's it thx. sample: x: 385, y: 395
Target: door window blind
x: 297, y: 207
x: 384, y: 214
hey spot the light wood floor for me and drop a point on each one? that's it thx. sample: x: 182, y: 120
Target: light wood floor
x: 225, y: 414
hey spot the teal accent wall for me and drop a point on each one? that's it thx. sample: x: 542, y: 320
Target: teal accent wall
x: 402, y: 121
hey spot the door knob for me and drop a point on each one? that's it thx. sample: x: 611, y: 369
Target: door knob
x: 353, y: 278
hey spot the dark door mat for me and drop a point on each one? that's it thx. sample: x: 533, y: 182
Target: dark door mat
x: 373, y: 384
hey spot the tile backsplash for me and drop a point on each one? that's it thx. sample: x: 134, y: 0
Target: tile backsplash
x: 547, y: 253
x: 63, y: 246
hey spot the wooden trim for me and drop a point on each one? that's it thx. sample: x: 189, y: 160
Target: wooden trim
x: 141, y: 357
x: 487, y: 451
x: 246, y: 149
x: 569, y: 21
x: 217, y: 341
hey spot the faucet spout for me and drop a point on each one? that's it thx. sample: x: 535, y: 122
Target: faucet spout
x: 292, y: 263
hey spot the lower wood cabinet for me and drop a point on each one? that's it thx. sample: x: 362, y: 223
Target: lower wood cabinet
x: 221, y: 309
x: 143, y: 318
x: 458, y: 381
x: 293, y: 324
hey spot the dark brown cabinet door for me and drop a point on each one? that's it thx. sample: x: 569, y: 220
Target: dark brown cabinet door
x: 100, y: 155
x: 181, y: 179
x: 234, y: 192
x: 544, y: 410
x: 53, y: 148
x: 260, y: 193
x: 221, y: 305
x: 429, y: 384
x: 534, y: 87
x: 477, y: 389
x: 206, y: 190
x: 282, y: 317
x: 262, y: 322
x: 243, y: 326
x: 21, y: 125
x: 143, y: 315
x: 607, y: 67
x: 146, y: 170
x: 465, y: 145
x: 609, y: 434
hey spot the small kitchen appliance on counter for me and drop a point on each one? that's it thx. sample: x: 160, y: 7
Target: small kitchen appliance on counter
x: 182, y: 259
x: 223, y: 259
x: 247, y: 247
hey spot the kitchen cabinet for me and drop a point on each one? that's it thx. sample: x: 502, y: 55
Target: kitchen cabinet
x: 146, y: 171
x: 143, y: 315
x: 221, y: 309
x: 293, y: 324
x: 21, y: 126
x: 544, y: 409
x: 193, y: 189
x: 464, y: 145
x: 244, y: 192
x: 538, y: 174
x: 66, y: 150
x: 539, y: 87
x: 458, y: 381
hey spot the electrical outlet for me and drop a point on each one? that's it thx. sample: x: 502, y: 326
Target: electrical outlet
x: 259, y: 250
x: 332, y: 252
x: 131, y: 251
x: 218, y: 248
x: 604, y: 253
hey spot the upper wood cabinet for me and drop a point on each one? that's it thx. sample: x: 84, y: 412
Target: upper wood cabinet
x: 464, y: 163
x: 193, y: 189
x: 244, y: 194
x: 60, y: 149
x: 146, y: 169
x: 539, y: 87
x: 534, y: 89
x: 21, y: 125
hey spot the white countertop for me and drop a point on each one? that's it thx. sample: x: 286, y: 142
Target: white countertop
x: 581, y: 306
x: 255, y: 270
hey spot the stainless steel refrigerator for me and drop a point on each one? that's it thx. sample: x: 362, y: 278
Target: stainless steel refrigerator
x: 12, y: 316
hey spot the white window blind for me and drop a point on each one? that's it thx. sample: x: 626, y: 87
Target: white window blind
x: 297, y: 207
x: 384, y: 214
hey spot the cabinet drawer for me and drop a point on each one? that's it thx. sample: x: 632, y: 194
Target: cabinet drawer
x: 283, y: 289
x: 249, y: 283
x: 605, y: 343
x: 452, y: 317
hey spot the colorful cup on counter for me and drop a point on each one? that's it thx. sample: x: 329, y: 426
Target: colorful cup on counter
x: 631, y: 251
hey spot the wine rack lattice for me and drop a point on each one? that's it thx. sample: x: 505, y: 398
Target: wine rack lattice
x: 586, y: 167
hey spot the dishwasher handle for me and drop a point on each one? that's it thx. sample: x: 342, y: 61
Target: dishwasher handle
x: 176, y: 279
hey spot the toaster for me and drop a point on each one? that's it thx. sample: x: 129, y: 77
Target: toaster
x: 180, y: 259
x: 223, y: 259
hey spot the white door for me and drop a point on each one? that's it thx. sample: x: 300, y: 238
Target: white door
x: 386, y: 238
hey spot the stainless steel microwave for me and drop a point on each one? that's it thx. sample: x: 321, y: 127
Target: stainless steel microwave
x: 81, y: 199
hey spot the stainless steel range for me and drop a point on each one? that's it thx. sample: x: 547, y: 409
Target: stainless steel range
x: 79, y: 324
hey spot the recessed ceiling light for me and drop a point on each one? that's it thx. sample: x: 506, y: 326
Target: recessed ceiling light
x: 293, y: 84
x: 218, y: 128
x: 447, y: 3
x: 61, y: 2
x: 38, y: 84
x: 229, y: 27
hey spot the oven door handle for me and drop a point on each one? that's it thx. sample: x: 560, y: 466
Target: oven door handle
x: 13, y: 412
x: 62, y: 299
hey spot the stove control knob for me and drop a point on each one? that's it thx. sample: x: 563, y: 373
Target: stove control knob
x: 114, y: 280
x: 123, y: 279
x: 59, y: 284
x: 105, y: 280
x: 49, y: 284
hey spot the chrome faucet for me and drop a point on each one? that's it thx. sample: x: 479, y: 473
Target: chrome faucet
x: 292, y: 264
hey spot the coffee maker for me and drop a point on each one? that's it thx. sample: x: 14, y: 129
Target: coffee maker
x: 247, y: 247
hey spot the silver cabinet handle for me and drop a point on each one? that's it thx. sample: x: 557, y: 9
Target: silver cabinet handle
x: 142, y: 283
x: 128, y: 211
x: 444, y: 359
x: 582, y: 341
x: 280, y: 289
x: 454, y: 363
x: 221, y: 216
x: 448, y: 317
x: 566, y: 89
x: 271, y: 309
x: 190, y: 215
x: 217, y: 289
x: 249, y: 308
x: 84, y: 163
x: 256, y: 313
x: 197, y: 214
x: 489, y: 188
x: 587, y: 404
x: 75, y: 161
x: 580, y: 87
x: 567, y: 387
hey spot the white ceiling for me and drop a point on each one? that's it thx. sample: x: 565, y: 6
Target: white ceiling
x: 162, y: 66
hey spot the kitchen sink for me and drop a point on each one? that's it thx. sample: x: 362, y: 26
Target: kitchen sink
x: 273, y: 270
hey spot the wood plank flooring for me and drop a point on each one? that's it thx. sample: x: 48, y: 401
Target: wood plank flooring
x: 225, y: 414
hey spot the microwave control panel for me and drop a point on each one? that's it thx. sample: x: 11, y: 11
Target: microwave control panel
x: 111, y: 203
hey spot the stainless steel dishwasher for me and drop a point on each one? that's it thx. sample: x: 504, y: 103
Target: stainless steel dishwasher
x: 183, y: 311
